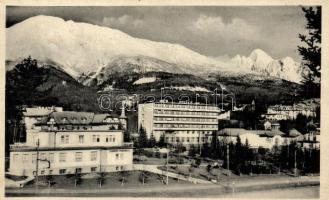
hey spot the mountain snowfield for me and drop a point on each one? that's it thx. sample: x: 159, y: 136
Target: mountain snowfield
x: 85, y: 48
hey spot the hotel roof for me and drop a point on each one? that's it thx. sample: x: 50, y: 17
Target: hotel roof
x: 234, y: 132
x: 78, y: 118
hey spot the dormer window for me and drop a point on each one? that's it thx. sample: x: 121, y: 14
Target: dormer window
x: 64, y: 119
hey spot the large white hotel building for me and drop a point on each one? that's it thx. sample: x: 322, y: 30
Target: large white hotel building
x: 63, y: 142
x: 185, y: 123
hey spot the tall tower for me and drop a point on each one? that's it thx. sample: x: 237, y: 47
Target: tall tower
x: 253, y: 105
x: 123, y: 118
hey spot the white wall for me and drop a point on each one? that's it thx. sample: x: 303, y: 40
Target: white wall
x: 24, y: 163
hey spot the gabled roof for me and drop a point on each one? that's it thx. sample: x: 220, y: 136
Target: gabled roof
x: 234, y: 132
x: 35, y: 112
x: 99, y: 118
x: 267, y: 133
x: 70, y: 117
x: 294, y: 133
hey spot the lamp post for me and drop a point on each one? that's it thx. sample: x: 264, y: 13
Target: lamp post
x: 295, y: 165
x: 167, y: 182
x: 196, y: 98
x: 37, y: 167
x: 215, y: 94
x: 222, y: 87
x: 232, y: 98
x: 222, y: 97
x: 161, y: 91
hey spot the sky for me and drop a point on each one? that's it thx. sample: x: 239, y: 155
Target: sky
x: 215, y: 31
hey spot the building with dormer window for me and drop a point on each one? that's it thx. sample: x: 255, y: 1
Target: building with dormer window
x: 66, y: 142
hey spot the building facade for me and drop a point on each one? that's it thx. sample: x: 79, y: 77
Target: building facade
x: 256, y: 138
x: 180, y: 123
x: 288, y: 112
x: 63, y: 142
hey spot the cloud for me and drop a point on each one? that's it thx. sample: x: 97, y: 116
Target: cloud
x: 237, y: 28
x: 123, y: 20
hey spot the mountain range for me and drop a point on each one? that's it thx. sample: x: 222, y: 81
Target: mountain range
x: 94, y: 52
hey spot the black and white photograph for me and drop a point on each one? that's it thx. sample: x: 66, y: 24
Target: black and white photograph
x: 163, y: 101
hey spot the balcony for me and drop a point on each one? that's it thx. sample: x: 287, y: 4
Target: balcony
x: 19, y: 146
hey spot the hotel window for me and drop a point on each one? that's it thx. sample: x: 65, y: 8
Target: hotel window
x: 51, y: 157
x: 25, y: 158
x: 81, y: 139
x: 62, y: 157
x: 78, y: 156
x: 50, y: 172
x: 93, y: 169
x: 93, y: 155
x: 42, y: 156
x: 78, y: 170
x: 116, y: 156
x: 95, y: 138
x: 121, y: 156
x: 16, y: 157
x: 67, y: 139
x: 62, y: 139
x: 34, y: 158
x: 62, y: 171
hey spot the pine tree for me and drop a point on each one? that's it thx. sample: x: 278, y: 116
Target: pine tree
x: 152, y: 141
x: 214, y: 145
x: 126, y: 136
x: 162, y: 142
x: 311, y: 52
x: 142, y: 141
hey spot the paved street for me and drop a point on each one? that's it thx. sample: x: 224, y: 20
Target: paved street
x: 174, y: 190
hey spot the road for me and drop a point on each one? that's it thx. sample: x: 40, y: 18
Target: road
x: 184, y: 190
x: 311, y: 192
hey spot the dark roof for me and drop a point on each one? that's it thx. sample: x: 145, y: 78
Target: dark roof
x: 70, y: 117
x: 78, y: 118
x: 234, y: 132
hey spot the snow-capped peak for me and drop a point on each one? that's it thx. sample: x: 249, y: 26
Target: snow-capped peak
x: 85, y: 48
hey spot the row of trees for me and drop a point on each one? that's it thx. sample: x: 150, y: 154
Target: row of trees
x: 144, y: 142
x: 243, y: 159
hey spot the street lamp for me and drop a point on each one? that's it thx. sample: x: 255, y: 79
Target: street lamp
x: 231, y: 95
x: 215, y: 94
x: 161, y: 91
x: 196, y: 98
x: 167, y: 182
x: 222, y: 87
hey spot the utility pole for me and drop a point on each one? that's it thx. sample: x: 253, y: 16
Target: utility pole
x: 200, y: 143
x: 37, y: 167
x: 228, y: 158
x: 167, y: 182
x: 222, y: 98
x: 295, y: 162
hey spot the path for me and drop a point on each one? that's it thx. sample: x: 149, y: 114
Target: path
x: 154, y: 169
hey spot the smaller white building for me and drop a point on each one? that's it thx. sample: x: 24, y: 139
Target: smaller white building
x: 310, y: 140
x: 289, y: 112
x: 256, y: 138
